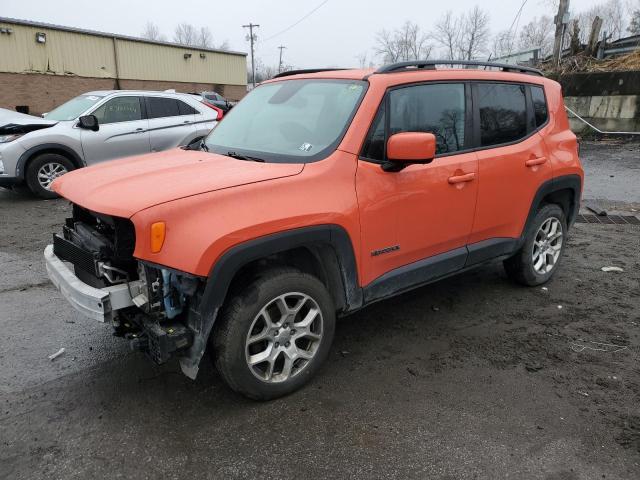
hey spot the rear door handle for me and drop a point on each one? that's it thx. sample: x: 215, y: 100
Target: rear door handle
x: 186, y: 121
x: 535, y: 161
x: 138, y: 130
x: 467, y: 177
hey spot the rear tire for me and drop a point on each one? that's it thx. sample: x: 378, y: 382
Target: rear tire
x: 274, y: 334
x: 545, y: 240
x: 43, y: 170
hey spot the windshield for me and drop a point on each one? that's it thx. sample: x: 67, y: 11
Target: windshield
x: 73, y: 108
x: 290, y: 122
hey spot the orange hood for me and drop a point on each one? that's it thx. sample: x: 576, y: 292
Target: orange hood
x: 124, y: 187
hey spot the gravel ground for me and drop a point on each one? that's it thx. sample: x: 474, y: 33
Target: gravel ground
x: 472, y: 377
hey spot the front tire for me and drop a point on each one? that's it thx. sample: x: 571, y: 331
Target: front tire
x: 545, y: 240
x: 43, y: 170
x: 274, y: 334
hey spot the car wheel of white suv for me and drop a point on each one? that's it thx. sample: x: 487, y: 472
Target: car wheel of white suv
x: 43, y: 170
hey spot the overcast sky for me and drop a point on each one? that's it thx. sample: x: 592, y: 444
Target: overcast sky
x: 333, y: 36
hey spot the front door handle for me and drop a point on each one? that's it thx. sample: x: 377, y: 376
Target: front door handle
x: 535, y: 161
x: 139, y: 130
x: 467, y: 177
x: 186, y: 121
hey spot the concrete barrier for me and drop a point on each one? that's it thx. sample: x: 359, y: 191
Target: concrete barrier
x: 608, y: 100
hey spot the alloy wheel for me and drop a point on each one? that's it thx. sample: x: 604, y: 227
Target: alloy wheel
x: 49, y: 172
x: 547, y: 246
x: 284, y: 337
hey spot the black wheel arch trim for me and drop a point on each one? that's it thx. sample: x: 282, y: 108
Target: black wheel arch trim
x: 43, y: 148
x: 556, y: 184
x: 230, y: 263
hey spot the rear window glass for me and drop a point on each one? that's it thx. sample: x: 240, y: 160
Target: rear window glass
x: 162, y: 107
x: 539, y: 105
x: 186, y: 109
x: 503, y: 113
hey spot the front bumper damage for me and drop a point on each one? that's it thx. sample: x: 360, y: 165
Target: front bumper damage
x: 97, y: 303
x: 120, y: 306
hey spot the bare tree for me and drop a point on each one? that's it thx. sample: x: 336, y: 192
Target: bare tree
x: 634, y: 24
x: 204, y: 38
x: 615, y: 15
x: 265, y: 72
x: 362, y: 59
x: 447, y: 33
x: 475, y: 33
x: 503, y: 44
x: 537, y: 33
x: 403, y: 44
x: 152, y: 32
x: 185, y: 34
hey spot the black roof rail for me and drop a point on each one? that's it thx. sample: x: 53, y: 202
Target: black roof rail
x: 431, y: 65
x: 308, y: 70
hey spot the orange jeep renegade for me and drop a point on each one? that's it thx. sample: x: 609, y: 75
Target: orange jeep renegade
x: 318, y: 194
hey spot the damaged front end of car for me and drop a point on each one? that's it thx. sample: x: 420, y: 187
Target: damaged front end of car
x: 153, y: 307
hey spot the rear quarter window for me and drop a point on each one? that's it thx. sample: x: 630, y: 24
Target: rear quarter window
x: 186, y: 109
x: 503, y: 113
x: 539, y: 106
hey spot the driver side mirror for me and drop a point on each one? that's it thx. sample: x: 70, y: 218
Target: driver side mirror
x: 407, y: 148
x: 89, y: 122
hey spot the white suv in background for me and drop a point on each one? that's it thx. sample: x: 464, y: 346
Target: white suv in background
x: 95, y: 127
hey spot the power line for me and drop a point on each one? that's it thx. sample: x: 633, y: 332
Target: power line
x: 296, y: 23
x: 516, y: 19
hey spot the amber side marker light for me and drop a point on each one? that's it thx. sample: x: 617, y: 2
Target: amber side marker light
x: 158, y: 231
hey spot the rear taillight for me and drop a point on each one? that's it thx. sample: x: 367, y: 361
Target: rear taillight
x: 219, y: 110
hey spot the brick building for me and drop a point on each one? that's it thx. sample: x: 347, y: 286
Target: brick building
x: 43, y: 65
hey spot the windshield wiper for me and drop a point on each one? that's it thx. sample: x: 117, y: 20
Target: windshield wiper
x: 244, y: 157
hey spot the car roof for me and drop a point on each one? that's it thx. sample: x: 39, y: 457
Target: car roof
x: 410, y: 75
x: 104, y: 93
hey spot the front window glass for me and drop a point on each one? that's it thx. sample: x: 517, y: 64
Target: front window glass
x: 119, y: 109
x: 290, y: 121
x: 374, y: 145
x: 436, y: 108
x: 73, y: 108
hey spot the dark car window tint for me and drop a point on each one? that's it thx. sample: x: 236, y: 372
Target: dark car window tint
x: 503, y: 113
x: 186, y: 109
x: 119, y: 109
x: 163, y: 107
x: 374, y: 144
x: 539, y: 105
x: 437, y: 108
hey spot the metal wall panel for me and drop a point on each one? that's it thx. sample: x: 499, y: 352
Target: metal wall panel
x: 64, y: 53
x: 87, y: 55
x: 146, y: 61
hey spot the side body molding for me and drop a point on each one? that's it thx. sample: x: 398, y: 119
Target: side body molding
x: 332, y: 236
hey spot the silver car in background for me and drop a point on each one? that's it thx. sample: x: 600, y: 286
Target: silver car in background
x: 95, y: 127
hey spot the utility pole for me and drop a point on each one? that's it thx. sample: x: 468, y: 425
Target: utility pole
x: 561, y: 21
x: 281, y: 47
x: 252, y: 39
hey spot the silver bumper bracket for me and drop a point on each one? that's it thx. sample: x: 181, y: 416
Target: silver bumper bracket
x: 96, y: 303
